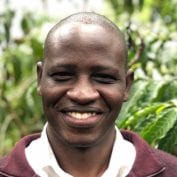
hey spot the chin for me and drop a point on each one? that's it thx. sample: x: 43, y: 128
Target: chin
x: 83, y: 142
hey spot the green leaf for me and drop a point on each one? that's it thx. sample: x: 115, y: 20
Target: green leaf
x: 141, y: 114
x: 136, y: 93
x: 158, y: 129
x: 37, y: 47
x: 169, y: 142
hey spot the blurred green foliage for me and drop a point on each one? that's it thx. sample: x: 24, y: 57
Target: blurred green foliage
x: 151, y: 31
x: 20, y: 106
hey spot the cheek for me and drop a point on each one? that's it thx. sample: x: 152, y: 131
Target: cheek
x: 113, y: 94
x: 113, y: 97
x: 52, y: 93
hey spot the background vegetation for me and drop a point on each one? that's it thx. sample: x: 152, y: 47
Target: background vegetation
x: 151, y: 31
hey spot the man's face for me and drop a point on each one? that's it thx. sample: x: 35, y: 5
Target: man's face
x: 83, y: 83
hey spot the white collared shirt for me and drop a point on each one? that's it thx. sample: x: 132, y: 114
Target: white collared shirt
x: 41, y: 158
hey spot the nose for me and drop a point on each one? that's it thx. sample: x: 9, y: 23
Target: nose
x: 83, y: 92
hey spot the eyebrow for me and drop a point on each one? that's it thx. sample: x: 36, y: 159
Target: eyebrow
x: 95, y: 68
x: 64, y: 66
x: 104, y: 68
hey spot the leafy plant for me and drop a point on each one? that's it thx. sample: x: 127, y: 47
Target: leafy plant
x: 151, y: 114
x: 20, y: 106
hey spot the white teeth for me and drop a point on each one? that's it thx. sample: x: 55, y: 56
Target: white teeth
x: 79, y: 115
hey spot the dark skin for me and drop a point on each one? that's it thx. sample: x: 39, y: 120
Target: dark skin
x: 83, y: 83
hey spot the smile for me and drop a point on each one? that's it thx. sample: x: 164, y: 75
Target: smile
x: 80, y: 118
x: 79, y: 115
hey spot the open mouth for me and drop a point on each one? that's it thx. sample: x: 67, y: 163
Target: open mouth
x: 82, y: 118
x: 81, y: 115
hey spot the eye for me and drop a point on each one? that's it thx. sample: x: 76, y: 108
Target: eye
x: 104, y: 78
x: 61, y: 76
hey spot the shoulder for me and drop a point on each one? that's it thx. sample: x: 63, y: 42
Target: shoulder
x: 15, y: 161
x: 168, y: 159
x: 152, y: 161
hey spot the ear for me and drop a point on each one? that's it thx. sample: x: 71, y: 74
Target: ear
x: 129, y: 81
x: 39, y: 76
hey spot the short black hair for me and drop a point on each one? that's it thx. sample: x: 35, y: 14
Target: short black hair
x: 90, y: 18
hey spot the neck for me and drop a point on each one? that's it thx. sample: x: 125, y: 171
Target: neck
x: 84, y: 161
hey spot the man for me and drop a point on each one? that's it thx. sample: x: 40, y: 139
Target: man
x: 83, y: 81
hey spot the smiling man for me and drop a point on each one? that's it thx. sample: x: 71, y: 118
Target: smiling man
x: 83, y: 82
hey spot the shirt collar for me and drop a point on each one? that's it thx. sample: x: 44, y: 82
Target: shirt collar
x: 42, y: 159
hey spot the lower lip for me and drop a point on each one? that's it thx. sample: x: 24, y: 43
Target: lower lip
x: 82, y: 123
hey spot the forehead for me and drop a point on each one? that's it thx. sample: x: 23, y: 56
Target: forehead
x: 84, y: 39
